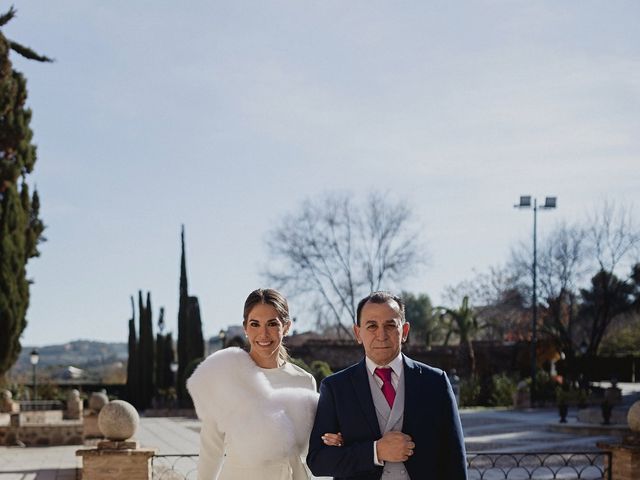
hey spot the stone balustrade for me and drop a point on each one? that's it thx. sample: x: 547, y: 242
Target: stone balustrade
x: 60, y: 432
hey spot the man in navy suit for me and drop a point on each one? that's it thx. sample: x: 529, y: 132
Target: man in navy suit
x: 397, y: 417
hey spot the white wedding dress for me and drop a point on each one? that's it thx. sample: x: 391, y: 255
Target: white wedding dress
x: 255, y: 421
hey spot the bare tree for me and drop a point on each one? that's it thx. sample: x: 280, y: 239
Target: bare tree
x: 562, y: 265
x: 499, y: 303
x: 335, y: 250
x: 614, y: 236
x: 574, y: 255
x: 613, y: 239
x: 562, y: 261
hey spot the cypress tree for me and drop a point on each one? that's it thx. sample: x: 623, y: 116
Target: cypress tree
x: 183, y: 350
x: 164, y: 356
x: 20, y: 226
x: 190, y: 339
x: 132, y: 362
x: 146, y: 361
x: 196, y: 340
x: 161, y: 378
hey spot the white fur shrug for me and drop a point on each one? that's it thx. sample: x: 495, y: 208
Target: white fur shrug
x: 271, y: 424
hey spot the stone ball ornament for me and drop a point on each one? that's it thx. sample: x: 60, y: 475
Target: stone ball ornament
x: 633, y: 418
x: 118, y: 420
x: 73, y: 395
x: 6, y: 395
x: 97, y: 401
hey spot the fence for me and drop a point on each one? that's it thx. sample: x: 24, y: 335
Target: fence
x: 175, y: 467
x: 594, y: 465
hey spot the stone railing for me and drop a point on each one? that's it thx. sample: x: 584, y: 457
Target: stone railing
x: 48, y: 429
x: 40, y: 405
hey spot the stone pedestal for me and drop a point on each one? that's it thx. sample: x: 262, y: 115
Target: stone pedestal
x: 115, y: 461
x: 7, y: 405
x: 90, y: 425
x: 98, y: 400
x: 625, y: 456
x: 119, y: 456
x: 74, y: 406
x: 15, y: 420
x: 625, y: 460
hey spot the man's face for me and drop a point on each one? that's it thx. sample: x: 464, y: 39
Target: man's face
x: 380, y: 331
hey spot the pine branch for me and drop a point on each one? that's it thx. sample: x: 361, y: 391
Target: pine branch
x: 7, y: 17
x: 26, y: 52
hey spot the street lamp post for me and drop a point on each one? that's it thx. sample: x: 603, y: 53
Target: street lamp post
x: 173, y: 366
x: 34, y: 362
x: 549, y: 203
x: 223, y: 337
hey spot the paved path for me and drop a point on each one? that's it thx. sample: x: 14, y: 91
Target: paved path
x: 512, y: 431
x: 38, y: 463
x: 492, y: 430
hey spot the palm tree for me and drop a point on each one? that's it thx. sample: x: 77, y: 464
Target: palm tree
x: 464, y: 323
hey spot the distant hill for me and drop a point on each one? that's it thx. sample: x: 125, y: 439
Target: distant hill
x: 89, y: 360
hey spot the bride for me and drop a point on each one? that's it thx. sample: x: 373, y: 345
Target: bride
x: 256, y: 408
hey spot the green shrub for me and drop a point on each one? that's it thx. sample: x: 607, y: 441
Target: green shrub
x: 545, y: 386
x: 320, y: 370
x: 50, y: 391
x: 469, y: 391
x: 502, y: 389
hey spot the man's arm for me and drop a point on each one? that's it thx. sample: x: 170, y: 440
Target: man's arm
x: 323, y: 460
x: 454, y: 461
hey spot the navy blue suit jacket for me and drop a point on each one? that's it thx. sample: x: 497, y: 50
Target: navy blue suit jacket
x: 430, y: 418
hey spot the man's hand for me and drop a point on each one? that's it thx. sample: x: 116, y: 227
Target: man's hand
x: 333, y: 439
x: 394, y: 447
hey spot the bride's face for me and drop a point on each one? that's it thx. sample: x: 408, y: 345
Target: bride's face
x: 265, y: 332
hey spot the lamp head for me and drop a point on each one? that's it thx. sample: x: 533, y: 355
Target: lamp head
x: 34, y: 357
x: 525, y: 202
x: 550, y: 202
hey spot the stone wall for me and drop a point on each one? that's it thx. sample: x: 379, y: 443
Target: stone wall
x: 491, y: 357
x: 68, y: 432
x: 43, y: 417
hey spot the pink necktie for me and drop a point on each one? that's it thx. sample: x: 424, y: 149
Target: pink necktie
x: 387, y: 387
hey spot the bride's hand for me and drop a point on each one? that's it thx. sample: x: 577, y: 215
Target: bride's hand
x: 333, y: 439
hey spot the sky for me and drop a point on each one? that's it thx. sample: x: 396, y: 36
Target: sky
x: 225, y: 116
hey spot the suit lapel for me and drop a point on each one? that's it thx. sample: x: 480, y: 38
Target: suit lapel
x: 361, y: 386
x: 412, y: 373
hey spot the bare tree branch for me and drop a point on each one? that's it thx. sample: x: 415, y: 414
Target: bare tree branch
x: 334, y: 250
x: 613, y: 235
